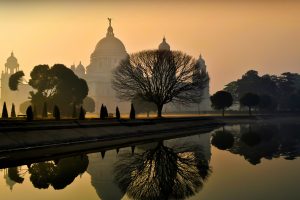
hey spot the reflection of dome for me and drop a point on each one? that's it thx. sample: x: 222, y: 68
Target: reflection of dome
x: 164, y: 45
x: 101, y: 171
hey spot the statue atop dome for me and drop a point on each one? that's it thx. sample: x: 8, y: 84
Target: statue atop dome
x: 110, y: 30
x: 109, y: 21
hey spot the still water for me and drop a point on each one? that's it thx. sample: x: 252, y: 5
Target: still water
x: 234, y: 162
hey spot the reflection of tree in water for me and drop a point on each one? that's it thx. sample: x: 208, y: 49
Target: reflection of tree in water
x: 255, y: 142
x: 222, y: 139
x: 162, y: 173
x: 58, y: 175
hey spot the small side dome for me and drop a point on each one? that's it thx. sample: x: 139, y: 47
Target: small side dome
x: 164, y: 46
x: 12, y: 61
x: 80, y: 69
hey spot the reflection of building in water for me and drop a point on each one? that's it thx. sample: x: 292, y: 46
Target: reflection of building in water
x: 102, y: 170
x: 7, y: 95
x: 10, y: 183
x: 102, y: 179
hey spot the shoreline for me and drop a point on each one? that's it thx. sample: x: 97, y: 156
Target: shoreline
x: 69, y: 137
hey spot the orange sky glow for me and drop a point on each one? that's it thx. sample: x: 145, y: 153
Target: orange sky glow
x: 232, y: 36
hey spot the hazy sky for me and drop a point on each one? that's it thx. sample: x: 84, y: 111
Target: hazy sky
x: 233, y: 36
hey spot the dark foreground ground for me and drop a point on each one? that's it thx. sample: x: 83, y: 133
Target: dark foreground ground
x: 24, y: 142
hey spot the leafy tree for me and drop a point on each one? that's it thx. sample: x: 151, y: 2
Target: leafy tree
x: 159, y: 77
x: 266, y: 102
x: 13, y: 111
x: 45, y: 111
x: 250, y: 100
x: 278, y: 88
x: 294, y: 101
x: 56, y: 113
x: 15, y: 79
x: 221, y: 100
x: 4, y: 111
x: 57, y: 85
x: 89, y: 104
x: 118, y: 116
x: 29, y: 113
x: 132, y: 112
x: 232, y: 89
x: 81, y: 113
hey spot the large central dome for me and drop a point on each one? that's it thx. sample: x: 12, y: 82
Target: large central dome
x: 109, y: 46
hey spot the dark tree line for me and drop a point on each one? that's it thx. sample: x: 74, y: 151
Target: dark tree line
x: 275, y: 92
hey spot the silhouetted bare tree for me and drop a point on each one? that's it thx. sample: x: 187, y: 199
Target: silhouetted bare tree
x: 159, y: 77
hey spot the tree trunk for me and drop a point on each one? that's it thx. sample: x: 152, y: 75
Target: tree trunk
x: 223, y: 112
x: 159, y: 109
x: 250, y: 111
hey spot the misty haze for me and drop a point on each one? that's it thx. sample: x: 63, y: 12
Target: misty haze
x: 149, y: 100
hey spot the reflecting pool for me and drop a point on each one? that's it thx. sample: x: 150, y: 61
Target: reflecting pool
x: 248, y: 161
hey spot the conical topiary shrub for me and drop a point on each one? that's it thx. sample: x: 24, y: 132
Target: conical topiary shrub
x: 13, y: 111
x: 4, y: 111
x: 118, y: 115
x: 29, y: 113
x: 102, y: 112
x: 132, y: 112
x: 105, y: 112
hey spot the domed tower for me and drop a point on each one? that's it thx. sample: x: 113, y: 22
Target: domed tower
x: 11, y: 65
x: 201, y: 67
x: 80, y: 70
x: 164, y: 46
x: 105, y: 58
x: 7, y: 95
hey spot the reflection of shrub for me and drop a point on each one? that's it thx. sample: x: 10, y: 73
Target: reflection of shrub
x: 251, y: 138
x: 222, y: 140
